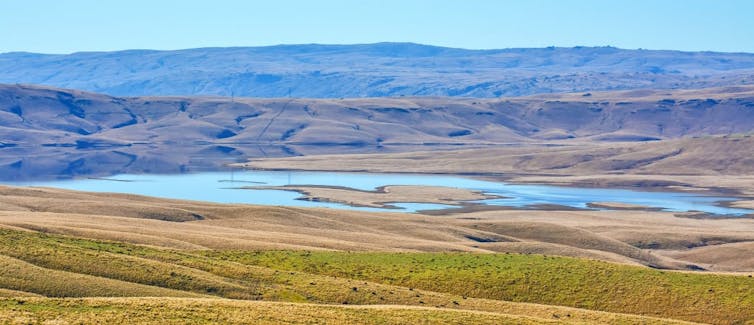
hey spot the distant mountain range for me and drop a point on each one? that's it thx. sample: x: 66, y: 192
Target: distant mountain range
x: 376, y: 70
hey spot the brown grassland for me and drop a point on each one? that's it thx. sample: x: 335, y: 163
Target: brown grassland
x: 198, y: 311
x: 250, y: 262
x: 78, y: 257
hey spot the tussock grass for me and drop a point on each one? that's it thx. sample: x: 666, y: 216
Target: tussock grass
x: 25, y: 278
x: 198, y: 311
x: 269, y: 283
x: 534, y: 278
x: 17, y: 293
x: 453, y: 281
x: 112, y: 261
x: 649, y: 238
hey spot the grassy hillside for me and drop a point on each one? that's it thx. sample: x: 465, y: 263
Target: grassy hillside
x: 659, y: 239
x: 439, y: 280
x: 199, y: 311
x: 534, y: 278
x: 25, y: 278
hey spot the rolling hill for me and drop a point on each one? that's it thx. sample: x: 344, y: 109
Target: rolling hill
x: 56, y: 117
x: 375, y: 70
x: 243, y: 263
x: 55, y: 132
x: 703, y: 156
x: 69, y: 256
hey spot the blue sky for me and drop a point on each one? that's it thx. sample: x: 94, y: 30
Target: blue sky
x: 57, y: 26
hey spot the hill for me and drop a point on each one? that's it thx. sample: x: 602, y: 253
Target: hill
x: 376, y: 70
x: 383, y: 286
x: 57, y: 132
x: 632, y: 237
x: 699, y: 156
x: 162, y: 310
x: 57, y: 117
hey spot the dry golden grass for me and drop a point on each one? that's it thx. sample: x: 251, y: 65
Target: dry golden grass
x: 724, y: 257
x: 649, y: 238
x: 17, y: 293
x: 708, y: 164
x: 201, y: 311
x: 549, y: 280
x: 122, y: 269
x: 24, y: 278
x: 280, y: 283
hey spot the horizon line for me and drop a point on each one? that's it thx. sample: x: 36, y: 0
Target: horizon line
x: 375, y: 43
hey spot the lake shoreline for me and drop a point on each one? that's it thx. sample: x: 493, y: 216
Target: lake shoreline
x: 408, y: 192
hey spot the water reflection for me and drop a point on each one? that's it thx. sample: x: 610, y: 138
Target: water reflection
x: 40, y: 163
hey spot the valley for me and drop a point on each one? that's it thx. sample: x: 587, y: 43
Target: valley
x: 618, y: 207
x: 377, y: 162
x: 514, y: 263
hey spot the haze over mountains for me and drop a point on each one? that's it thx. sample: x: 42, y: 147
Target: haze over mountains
x: 375, y: 70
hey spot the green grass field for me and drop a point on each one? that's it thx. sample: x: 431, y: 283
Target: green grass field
x: 541, y: 279
x: 499, y: 285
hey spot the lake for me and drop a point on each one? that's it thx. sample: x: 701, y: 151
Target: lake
x: 225, y: 187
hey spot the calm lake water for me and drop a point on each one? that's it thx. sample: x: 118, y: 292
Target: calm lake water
x: 224, y: 187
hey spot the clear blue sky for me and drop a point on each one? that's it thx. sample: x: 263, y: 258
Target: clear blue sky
x: 64, y: 26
